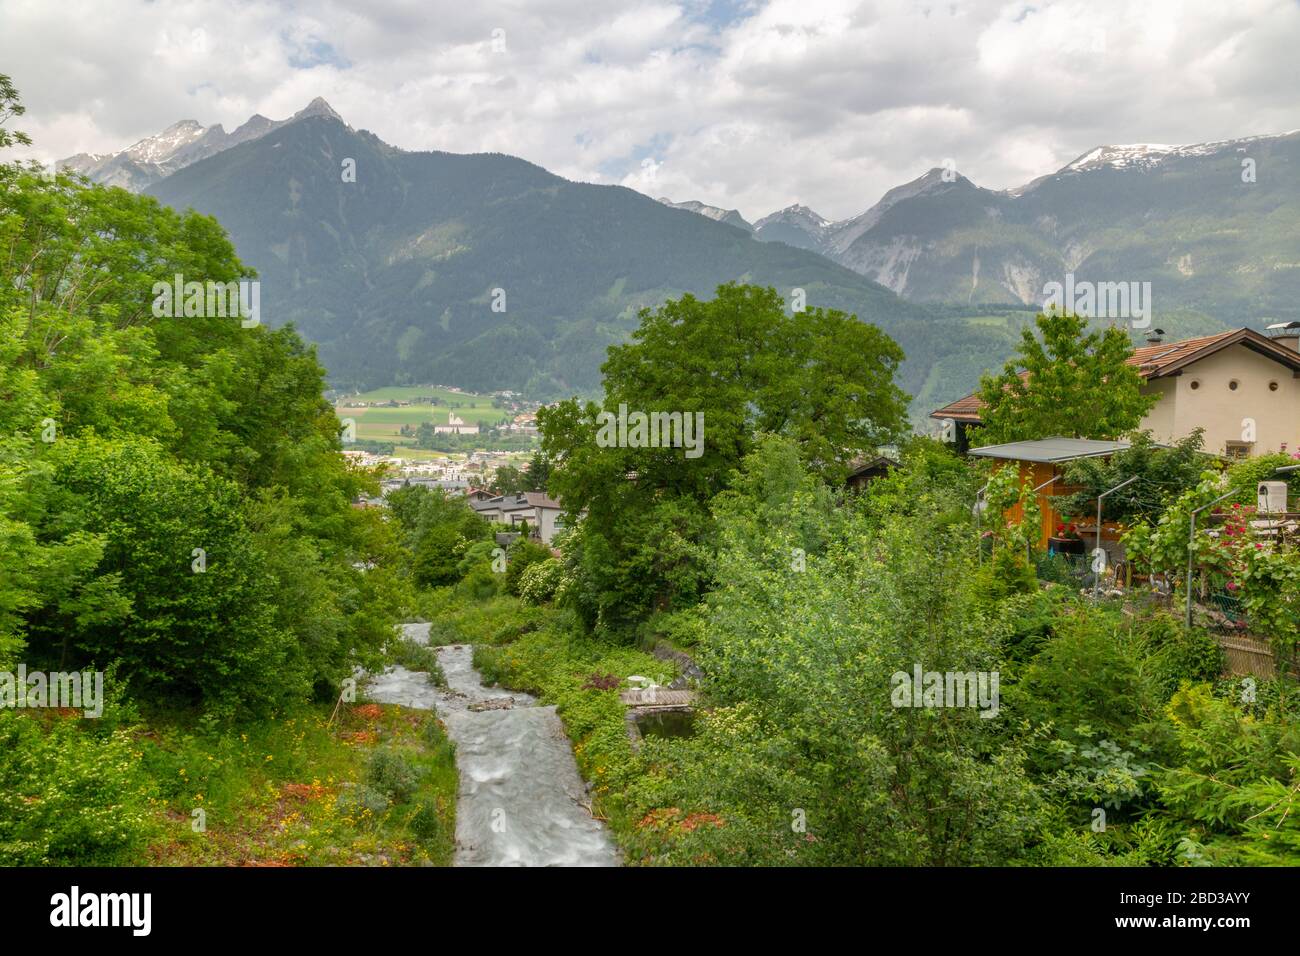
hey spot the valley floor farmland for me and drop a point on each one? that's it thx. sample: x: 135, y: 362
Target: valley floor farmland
x: 383, y: 423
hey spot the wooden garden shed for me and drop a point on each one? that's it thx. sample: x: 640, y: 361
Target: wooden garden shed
x: 1043, y: 460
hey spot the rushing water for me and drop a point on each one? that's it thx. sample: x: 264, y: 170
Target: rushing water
x: 521, y: 802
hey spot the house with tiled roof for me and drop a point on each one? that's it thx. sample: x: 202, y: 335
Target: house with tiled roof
x: 1241, y: 386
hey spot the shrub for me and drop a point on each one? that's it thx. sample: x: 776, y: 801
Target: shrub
x: 1007, y: 573
x: 391, y: 773
x: 481, y: 583
x: 426, y: 822
x: 1178, y: 655
x: 523, y: 554
x: 70, y: 797
x: 1087, y: 675
x: 479, y: 552
x: 538, y: 581
x: 358, y: 801
x: 418, y: 657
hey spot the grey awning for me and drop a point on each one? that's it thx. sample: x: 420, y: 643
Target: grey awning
x: 1051, y: 450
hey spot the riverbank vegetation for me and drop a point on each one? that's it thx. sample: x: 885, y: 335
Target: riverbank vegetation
x: 175, y: 516
x: 1116, y: 741
x: 1114, y: 736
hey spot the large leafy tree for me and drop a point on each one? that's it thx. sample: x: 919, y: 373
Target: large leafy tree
x: 129, y: 440
x: 510, y: 480
x: 820, y: 379
x: 1065, y: 381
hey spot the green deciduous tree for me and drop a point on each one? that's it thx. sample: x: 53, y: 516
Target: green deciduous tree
x: 10, y: 106
x: 1070, y: 382
x: 820, y: 379
x: 509, y: 480
x: 131, y: 439
x: 1162, y: 473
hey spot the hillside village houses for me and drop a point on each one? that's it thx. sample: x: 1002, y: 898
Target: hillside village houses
x: 1241, y: 386
x: 543, y: 514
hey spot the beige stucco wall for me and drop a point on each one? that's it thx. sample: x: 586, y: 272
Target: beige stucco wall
x: 1160, y: 420
x: 1220, y: 410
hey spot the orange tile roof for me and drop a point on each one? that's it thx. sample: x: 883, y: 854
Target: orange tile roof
x: 1154, y: 361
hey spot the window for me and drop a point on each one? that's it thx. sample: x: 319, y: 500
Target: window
x: 1195, y: 385
x: 1272, y: 386
x: 1237, y: 450
x: 1233, y: 385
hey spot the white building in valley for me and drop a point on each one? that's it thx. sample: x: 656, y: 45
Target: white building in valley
x: 455, y: 426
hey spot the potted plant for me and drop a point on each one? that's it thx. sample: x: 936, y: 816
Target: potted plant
x: 1066, y: 540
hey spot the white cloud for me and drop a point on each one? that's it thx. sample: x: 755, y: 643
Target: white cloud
x: 824, y: 102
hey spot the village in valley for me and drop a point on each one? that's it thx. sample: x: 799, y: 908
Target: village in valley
x: 473, y: 435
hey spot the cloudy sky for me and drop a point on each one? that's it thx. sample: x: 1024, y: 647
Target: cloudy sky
x: 751, y: 104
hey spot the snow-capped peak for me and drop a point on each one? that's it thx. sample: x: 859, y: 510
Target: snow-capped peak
x: 176, y: 147
x: 1148, y: 155
x: 157, y: 149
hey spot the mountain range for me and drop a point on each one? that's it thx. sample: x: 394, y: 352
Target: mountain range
x: 144, y: 163
x: 395, y: 276
x: 482, y: 271
x: 1213, y: 227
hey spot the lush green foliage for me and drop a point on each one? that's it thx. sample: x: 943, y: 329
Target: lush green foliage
x: 1078, y: 385
x: 446, y: 540
x: 821, y: 379
x: 523, y: 554
x: 539, y: 582
x: 1226, y: 552
x: 510, y: 480
x: 1109, y: 746
x: 1161, y: 472
x: 171, y: 487
x: 175, y: 512
x: 71, y: 796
